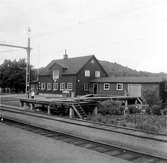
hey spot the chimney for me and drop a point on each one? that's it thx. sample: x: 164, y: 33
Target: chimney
x: 65, y: 54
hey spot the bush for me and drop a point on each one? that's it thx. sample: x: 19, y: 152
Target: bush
x: 110, y: 107
x: 156, y: 109
x: 133, y: 109
x: 151, y: 97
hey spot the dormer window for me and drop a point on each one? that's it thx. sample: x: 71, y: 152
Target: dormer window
x: 87, y: 73
x: 55, y: 74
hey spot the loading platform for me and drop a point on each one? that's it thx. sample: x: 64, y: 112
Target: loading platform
x: 76, y: 106
x: 73, y: 105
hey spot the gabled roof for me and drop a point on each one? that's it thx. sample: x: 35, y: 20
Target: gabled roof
x: 72, y: 65
x: 129, y: 80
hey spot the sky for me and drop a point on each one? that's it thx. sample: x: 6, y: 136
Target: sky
x: 129, y: 32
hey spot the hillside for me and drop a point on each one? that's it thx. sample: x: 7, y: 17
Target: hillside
x: 115, y: 69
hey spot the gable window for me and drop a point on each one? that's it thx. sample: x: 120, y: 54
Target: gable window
x: 119, y: 86
x: 62, y: 86
x: 55, y: 86
x: 97, y: 74
x: 49, y: 86
x: 106, y: 86
x: 92, y: 61
x: 69, y: 86
x: 55, y: 74
x: 42, y: 86
x: 87, y: 73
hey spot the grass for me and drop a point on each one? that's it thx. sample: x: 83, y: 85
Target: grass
x: 147, y: 123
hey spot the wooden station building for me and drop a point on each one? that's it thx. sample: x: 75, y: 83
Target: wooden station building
x: 70, y: 75
x: 85, y: 75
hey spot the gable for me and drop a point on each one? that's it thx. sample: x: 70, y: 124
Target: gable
x: 96, y: 65
x: 70, y: 66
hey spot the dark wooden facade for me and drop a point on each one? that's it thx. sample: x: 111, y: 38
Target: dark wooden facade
x: 131, y: 86
x: 71, y: 70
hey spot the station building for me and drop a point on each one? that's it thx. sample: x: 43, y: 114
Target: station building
x: 70, y: 75
x: 85, y: 75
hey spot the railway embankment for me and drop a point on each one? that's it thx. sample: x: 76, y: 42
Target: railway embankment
x: 128, y: 139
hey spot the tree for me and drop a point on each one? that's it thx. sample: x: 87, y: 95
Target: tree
x: 13, y: 75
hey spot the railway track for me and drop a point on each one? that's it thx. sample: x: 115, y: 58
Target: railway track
x: 124, y: 154
x: 111, y: 150
x: 96, y: 125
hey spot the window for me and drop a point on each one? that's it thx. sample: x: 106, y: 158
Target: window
x: 42, y: 86
x: 97, y: 74
x: 92, y: 61
x: 86, y: 87
x: 49, y: 86
x: 62, y: 86
x: 106, y: 86
x: 87, y: 73
x: 119, y: 86
x: 55, y: 86
x: 55, y: 74
x: 69, y: 86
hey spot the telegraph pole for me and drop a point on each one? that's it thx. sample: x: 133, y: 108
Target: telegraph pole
x: 28, y: 67
x: 28, y: 49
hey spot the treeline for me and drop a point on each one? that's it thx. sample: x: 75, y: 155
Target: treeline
x: 13, y: 75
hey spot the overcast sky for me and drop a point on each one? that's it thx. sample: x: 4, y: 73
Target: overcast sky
x: 130, y: 32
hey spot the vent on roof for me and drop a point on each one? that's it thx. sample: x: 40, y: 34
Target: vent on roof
x: 65, y: 55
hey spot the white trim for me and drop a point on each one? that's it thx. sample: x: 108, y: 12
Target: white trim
x: 117, y: 87
x: 97, y: 74
x: 106, y: 84
x: 87, y: 73
x: 62, y: 86
x: 69, y: 85
x: 43, y: 86
x: 49, y: 86
x: 55, y: 86
x: 55, y: 74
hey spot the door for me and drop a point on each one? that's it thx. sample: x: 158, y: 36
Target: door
x: 94, y: 88
x: 134, y: 90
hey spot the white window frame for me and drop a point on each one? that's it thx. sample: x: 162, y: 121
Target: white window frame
x: 117, y: 87
x: 62, y: 86
x: 87, y: 73
x: 55, y: 86
x: 49, y: 86
x: 97, y: 74
x: 55, y: 75
x: 69, y: 86
x: 43, y: 86
x: 106, y: 84
x: 92, y: 61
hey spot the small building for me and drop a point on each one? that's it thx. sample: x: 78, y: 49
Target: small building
x: 70, y: 76
x: 130, y: 86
